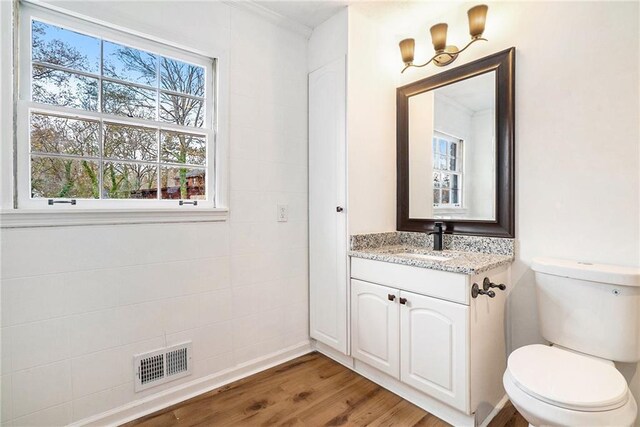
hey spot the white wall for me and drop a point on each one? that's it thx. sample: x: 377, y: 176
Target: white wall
x: 421, y: 126
x: 370, y: 126
x: 329, y: 41
x: 480, y: 164
x: 78, y: 302
x: 577, y: 133
x: 452, y: 118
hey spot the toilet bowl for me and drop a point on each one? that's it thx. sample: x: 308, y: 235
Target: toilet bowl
x: 551, y: 386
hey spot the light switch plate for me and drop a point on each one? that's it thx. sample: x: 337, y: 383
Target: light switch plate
x: 283, y: 213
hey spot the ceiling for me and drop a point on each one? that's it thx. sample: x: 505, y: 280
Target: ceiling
x: 311, y: 13
x: 307, y: 13
x: 476, y: 93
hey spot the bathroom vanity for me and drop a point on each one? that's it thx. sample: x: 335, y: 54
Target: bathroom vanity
x: 429, y: 325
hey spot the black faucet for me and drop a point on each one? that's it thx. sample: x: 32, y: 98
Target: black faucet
x: 437, y: 236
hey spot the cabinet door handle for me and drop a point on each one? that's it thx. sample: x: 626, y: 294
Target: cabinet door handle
x: 391, y: 297
x: 403, y: 301
x: 339, y: 208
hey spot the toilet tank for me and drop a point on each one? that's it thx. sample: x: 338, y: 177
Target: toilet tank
x: 591, y: 308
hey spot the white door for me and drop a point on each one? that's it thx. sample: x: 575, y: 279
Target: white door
x: 375, y: 326
x: 327, y: 199
x: 435, y: 348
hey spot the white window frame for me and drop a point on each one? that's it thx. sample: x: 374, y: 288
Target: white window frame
x: 216, y: 152
x: 460, y: 164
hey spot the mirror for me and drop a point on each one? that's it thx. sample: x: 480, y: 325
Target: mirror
x: 455, y: 149
x: 452, y: 151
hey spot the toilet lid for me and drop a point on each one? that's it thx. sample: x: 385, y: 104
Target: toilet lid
x: 569, y: 380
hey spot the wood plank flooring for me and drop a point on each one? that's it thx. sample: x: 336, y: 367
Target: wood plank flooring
x: 508, y: 417
x: 311, y: 390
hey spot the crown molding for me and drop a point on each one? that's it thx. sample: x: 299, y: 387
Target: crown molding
x: 271, y: 16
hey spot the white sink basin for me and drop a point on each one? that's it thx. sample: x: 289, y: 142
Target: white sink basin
x: 424, y: 256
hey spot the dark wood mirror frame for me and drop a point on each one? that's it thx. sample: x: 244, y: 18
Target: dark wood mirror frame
x: 503, y: 63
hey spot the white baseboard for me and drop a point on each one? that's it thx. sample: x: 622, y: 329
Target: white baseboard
x: 495, y: 411
x: 336, y: 355
x: 166, y: 398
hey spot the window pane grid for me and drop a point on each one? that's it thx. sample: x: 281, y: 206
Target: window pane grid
x: 100, y: 74
x: 147, y: 124
x: 180, y: 153
x: 141, y: 180
x: 114, y: 80
x: 63, y: 68
x: 64, y: 156
x: 116, y: 160
x: 447, y: 171
x: 73, y: 113
x: 102, y: 124
x: 100, y: 167
x: 64, y: 178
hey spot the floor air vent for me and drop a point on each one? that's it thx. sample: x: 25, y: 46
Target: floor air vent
x: 160, y: 366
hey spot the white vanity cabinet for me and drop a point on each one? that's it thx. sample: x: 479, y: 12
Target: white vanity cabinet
x: 414, y: 338
x: 434, y: 347
x: 375, y: 321
x: 423, y: 328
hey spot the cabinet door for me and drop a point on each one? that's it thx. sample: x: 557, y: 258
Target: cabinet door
x: 434, y: 346
x: 375, y: 326
x: 328, y: 277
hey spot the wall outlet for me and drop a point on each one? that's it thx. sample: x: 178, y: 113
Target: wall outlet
x: 283, y: 213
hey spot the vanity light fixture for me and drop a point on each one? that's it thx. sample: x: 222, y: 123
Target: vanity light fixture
x: 445, y: 55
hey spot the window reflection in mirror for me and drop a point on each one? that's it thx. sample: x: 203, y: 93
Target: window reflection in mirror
x: 452, y: 172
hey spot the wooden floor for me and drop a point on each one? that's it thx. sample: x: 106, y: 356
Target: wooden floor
x: 311, y: 390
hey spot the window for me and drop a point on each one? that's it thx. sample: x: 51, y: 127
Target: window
x: 108, y: 119
x: 447, y: 171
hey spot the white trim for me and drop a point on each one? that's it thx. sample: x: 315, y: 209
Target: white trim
x: 29, y: 218
x: 172, y: 396
x: 8, y: 94
x: 331, y: 353
x: 496, y: 410
x: 449, y: 210
x: 271, y: 16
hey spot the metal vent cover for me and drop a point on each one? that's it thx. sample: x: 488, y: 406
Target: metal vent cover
x: 177, y: 361
x: 151, y: 369
x: 160, y: 366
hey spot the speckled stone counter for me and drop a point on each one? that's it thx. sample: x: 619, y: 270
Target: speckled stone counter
x: 466, y: 254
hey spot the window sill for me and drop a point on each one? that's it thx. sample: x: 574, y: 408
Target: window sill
x: 450, y: 210
x: 26, y: 218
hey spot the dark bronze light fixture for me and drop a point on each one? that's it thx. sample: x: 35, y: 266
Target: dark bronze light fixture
x: 445, y: 55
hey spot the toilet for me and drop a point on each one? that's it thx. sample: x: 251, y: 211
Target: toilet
x: 590, y: 313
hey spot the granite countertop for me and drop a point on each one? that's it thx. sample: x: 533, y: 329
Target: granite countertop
x: 460, y: 261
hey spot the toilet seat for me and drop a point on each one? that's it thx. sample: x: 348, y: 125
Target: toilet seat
x: 539, y: 413
x: 568, y: 380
